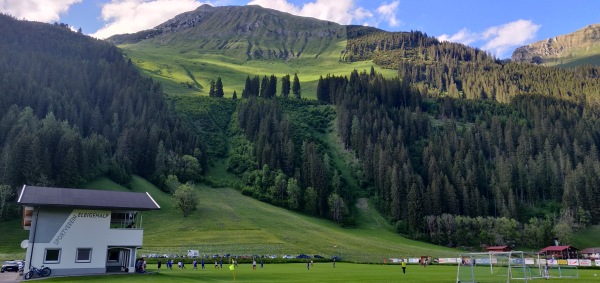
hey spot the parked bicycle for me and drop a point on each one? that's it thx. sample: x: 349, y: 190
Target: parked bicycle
x: 34, y: 271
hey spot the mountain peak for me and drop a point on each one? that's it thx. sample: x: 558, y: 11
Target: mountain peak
x: 250, y: 30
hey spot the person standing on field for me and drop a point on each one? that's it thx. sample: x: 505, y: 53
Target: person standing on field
x: 403, y: 266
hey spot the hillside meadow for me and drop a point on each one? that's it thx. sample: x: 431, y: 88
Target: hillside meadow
x: 185, y: 72
x: 228, y: 222
x: 578, y: 57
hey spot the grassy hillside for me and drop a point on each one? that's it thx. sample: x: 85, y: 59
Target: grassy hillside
x: 578, y: 57
x: 187, y: 52
x: 581, y: 47
x: 185, y: 72
x: 227, y: 221
x: 587, y: 238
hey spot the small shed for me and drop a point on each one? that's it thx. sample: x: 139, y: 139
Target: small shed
x: 560, y: 252
x: 499, y: 249
x: 591, y: 253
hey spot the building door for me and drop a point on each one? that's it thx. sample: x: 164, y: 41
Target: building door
x: 118, y: 259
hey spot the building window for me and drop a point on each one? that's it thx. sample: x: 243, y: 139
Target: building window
x: 52, y: 256
x: 84, y: 255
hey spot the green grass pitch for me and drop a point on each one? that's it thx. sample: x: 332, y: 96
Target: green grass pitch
x: 297, y: 272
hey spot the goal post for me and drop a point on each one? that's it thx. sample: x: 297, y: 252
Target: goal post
x: 492, y: 267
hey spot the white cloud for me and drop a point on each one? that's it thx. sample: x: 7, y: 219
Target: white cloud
x: 362, y: 13
x: 388, y: 13
x: 340, y: 11
x: 36, y: 10
x: 128, y: 16
x: 463, y: 36
x: 498, y: 39
x: 501, y: 38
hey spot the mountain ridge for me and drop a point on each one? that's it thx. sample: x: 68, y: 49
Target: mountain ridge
x: 556, y: 50
x: 234, y: 29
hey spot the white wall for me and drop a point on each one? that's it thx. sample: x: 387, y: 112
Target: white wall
x: 84, y: 229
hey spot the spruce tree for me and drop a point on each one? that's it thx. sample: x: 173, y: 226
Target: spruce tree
x: 285, y: 85
x: 247, y: 88
x: 272, y: 86
x: 264, y: 87
x: 296, y: 90
x: 219, y: 88
x: 212, y: 92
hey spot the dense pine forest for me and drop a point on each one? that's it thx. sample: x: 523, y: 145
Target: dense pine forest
x: 72, y: 109
x: 460, y: 149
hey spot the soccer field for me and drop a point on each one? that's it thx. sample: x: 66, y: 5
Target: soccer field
x: 297, y: 272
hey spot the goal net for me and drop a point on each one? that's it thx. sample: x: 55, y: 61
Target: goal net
x: 492, y: 267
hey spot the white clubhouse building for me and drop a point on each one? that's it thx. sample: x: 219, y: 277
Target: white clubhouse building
x: 80, y: 231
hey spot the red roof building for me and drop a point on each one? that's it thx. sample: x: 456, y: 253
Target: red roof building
x: 499, y: 249
x: 560, y: 252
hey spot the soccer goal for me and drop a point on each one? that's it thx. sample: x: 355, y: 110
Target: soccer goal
x: 492, y: 267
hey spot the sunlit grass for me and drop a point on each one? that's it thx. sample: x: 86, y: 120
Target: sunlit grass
x: 226, y: 219
x: 297, y: 272
x: 172, y: 66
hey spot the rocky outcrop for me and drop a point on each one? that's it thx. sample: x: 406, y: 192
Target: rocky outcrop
x: 186, y: 20
x: 559, y: 46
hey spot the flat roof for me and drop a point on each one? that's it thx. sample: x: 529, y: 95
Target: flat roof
x: 86, y: 198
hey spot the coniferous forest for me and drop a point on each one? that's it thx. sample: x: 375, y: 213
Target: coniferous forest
x: 72, y: 109
x: 459, y: 149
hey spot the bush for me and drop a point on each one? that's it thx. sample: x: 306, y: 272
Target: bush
x: 248, y: 191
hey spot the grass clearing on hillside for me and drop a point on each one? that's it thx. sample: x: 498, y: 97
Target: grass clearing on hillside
x: 577, y: 57
x: 587, y: 238
x: 173, y: 69
x: 227, y: 221
x: 297, y: 272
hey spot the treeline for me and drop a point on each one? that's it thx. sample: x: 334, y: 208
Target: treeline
x: 451, y: 69
x: 471, y: 158
x: 501, y: 81
x: 459, y: 230
x: 393, y: 49
x: 267, y: 87
x: 73, y: 109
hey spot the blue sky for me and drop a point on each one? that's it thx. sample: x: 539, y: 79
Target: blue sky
x: 496, y: 26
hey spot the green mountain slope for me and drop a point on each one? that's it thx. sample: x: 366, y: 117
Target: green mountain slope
x: 188, y: 51
x: 578, y: 48
x: 244, y: 33
x: 227, y: 221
